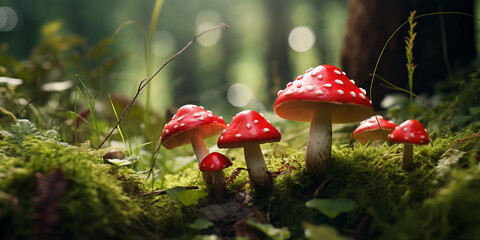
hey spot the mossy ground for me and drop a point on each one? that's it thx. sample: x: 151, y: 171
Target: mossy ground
x: 102, y: 201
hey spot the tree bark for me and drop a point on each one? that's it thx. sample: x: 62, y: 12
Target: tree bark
x: 370, y: 24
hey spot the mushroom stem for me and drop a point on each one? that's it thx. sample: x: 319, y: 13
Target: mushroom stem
x: 218, y: 182
x: 201, y: 152
x: 257, y: 169
x: 319, y: 145
x: 407, y: 160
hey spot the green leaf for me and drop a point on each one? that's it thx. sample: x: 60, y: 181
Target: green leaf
x: 322, y: 232
x: 201, y: 223
x: 270, y: 231
x: 186, y: 197
x: 119, y: 162
x: 331, y: 207
x: 475, y: 110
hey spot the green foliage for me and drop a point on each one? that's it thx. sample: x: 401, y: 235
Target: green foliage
x: 270, y: 231
x: 185, y: 196
x: 331, y: 207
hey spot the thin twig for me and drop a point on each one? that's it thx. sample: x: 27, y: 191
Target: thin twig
x: 159, y: 192
x: 144, y: 82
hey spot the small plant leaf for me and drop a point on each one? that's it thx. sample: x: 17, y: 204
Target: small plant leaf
x: 201, y: 223
x: 271, y: 231
x: 314, y: 232
x: 186, y: 197
x: 331, y: 207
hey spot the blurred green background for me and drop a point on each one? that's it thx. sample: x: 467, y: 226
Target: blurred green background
x: 224, y: 71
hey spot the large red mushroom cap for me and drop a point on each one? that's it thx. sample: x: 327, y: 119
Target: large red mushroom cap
x: 215, y: 161
x: 371, y: 130
x: 323, y: 87
x: 410, y: 132
x: 187, y: 118
x: 248, y: 127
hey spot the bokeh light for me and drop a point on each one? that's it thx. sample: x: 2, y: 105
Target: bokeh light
x: 207, y: 19
x: 164, y: 44
x: 301, y: 39
x: 8, y: 19
x: 239, y: 95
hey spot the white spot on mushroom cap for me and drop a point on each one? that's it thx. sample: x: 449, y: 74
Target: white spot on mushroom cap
x: 313, y: 73
x: 220, y: 117
x: 174, y: 116
x: 167, y: 131
x: 266, y: 130
x: 183, y: 124
x: 289, y: 84
x: 327, y: 85
x: 300, y: 91
x: 279, y: 92
x: 362, y: 96
x: 308, y: 70
x: 412, y: 135
x: 176, y: 126
x: 340, y: 92
x: 288, y: 92
x: 344, y: 73
x: 201, y: 118
x: 249, y: 126
x: 405, y: 129
x: 338, y: 81
x: 196, y: 115
x: 337, y: 72
x: 210, y: 115
x: 310, y: 88
x: 298, y: 84
x: 255, y: 121
x: 299, y: 77
x: 351, y: 80
x: 238, y: 135
x: 212, y: 166
x: 320, y: 77
x: 221, y: 137
x: 353, y: 94
x: 180, y: 118
x: 319, y: 92
x: 422, y: 136
x: 363, y: 90
x: 203, y: 165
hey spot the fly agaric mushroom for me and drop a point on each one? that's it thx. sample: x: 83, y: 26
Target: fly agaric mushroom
x: 410, y: 132
x: 322, y: 96
x: 191, y: 124
x: 249, y: 129
x: 215, y: 163
x: 372, y: 131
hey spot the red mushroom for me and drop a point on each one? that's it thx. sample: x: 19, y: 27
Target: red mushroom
x: 215, y: 163
x: 322, y: 96
x: 249, y: 129
x: 191, y: 124
x: 372, y: 131
x: 410, y: 132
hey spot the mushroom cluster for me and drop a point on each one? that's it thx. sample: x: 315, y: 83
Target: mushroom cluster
x: 192, y: 124
x: 410, y: 132
x: 322, y: 96
x: 248, y: 130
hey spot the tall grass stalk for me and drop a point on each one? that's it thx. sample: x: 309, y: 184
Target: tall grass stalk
x: 409, y: 40
x: 90, y: 103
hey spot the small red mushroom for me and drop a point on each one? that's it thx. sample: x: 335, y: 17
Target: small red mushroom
x: 215, y: 163
x: 372, y: 131
x: 249, y: 129
x: 322, y: 96
x: 410, y: 132
x: 191, y: 124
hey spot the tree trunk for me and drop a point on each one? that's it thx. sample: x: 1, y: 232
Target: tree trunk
x: 370, y: 24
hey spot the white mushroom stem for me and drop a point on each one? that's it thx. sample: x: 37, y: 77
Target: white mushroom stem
x: 257, y: 169
x: 201, y: 152
x: 319, y: 145
x: 218, y: 182
x: 407, y: 160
